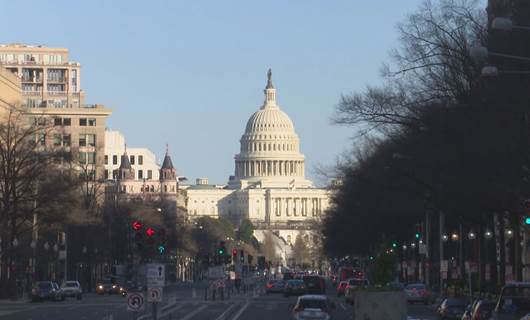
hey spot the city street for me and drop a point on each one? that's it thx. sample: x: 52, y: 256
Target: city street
x: 179, y: 304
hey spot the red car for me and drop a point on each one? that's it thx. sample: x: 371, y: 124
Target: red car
x: 341, y: 288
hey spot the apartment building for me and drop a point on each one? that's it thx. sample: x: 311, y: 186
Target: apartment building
x: 51, y: 92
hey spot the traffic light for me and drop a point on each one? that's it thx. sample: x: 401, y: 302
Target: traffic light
x: 394, y: 244
x: 221, y: 250
x: 138, y: 236
x: 242, y: 256
x: 162, y: 241
x: 417, y: 235
x: 527, y: 220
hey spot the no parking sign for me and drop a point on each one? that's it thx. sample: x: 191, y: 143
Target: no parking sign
x: 135, y: 302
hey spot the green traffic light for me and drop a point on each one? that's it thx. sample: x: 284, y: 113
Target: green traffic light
x: 161, y: 249
x: 221, y: 251
x: 371, y: 257
x: 527, y: 220
x: 417, y: 235
x: 394, y: 245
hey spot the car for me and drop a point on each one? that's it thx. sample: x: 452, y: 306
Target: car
x: 294, y: 288
x: 107, y: 285
x: 46, y: 290
x: 72, y: 289
x: 314, y: 307
x: 314, y: 284
x: 274, y: 286
x: 482, y: 310
x: 352, y: 286
x: 417, y: 292
x: 513, y: 301
x: 341, y: 288
x: 452, y: 308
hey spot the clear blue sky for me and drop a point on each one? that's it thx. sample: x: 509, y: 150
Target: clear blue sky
x: 190, y: 73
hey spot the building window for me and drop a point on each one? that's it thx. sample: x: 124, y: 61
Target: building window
x: 57, y: 139
x: 67, y: 140
x: 165, y: 188
x: 57, y: 122
x: 106, y: 159
x: 132, y: 159
x: 114, y: 174
x: 140, y: 174
x: 140, y: 160
x: 82, y: 122
x: 67, y: 121
x: 87, y: 140
x: 114, y: 159
x: 149, y: 174
x: 40, y: 139
x: 106, y: 174
x: 91, y: 156
x: 289, y: 239
x: 91, y: 122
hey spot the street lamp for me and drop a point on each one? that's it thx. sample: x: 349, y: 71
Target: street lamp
x: 471, y: 235
x: 33, y: 244
x: 509, y: 233
x: 454, y: 236
x: 15, y: 242
x: 482, y: 52
x: 404, y: 247
x: 413, y: 245
x: 445, y: 237
x: 46, y: 246
x: 488, y: 234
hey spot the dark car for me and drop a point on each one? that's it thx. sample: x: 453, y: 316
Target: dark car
x: 417, y: 292
x: 314, y: 284
x: 294, y: 288
x: 452, y: 308
x: 514, y: 302
x: 107, y: 285
x: 274, y: 286
x: 482, y: 310
x: 46, y: 290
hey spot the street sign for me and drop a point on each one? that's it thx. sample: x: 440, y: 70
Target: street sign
x: 156, y: 275
x: 154, y: 295
x: 135, y: 302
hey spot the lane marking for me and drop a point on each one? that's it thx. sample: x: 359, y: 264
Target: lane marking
x: 223, y: 315
x: 238, y: 314
x: 192, y: 314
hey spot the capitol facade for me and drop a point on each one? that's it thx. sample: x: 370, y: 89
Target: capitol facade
x: 268, y: 186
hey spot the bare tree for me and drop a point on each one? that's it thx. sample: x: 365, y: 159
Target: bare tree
x: 300, y: 251
x: 33, y: 179
x: 433, y: 64
x: 268, y: 247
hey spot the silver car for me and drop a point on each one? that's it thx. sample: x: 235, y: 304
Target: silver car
x: 72, y: 289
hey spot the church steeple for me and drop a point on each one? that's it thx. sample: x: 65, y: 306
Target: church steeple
x: 167, y: 171
x: 270, y: 92
x: 126, y: 172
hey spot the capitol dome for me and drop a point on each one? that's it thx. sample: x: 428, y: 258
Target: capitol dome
x: 270, y: 148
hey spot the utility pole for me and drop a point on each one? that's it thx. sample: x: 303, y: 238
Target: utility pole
x: 427, y: 247
x: 441, y: 214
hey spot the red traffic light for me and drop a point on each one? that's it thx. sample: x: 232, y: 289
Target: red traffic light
x: 234, y: 252
x: 137, y: 225
x: 150, y: 232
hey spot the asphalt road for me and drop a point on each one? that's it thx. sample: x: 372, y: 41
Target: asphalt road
x: 178, y: 305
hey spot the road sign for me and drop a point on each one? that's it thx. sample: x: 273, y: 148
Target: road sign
x: 156, y: 275
x: 135, y: 302
x: 154, y: 295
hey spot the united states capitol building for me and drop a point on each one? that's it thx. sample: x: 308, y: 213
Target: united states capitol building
x: 268, y: 186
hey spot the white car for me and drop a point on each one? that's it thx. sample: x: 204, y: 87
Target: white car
x: 313, y: 307
x: 72, y: 289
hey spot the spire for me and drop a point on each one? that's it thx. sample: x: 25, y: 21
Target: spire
x: 270, y: 92
x: 167, y: 171
x: 167, y: 163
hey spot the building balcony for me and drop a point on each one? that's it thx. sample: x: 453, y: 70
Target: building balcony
x: 32, y: 93
x: 56, y: 93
